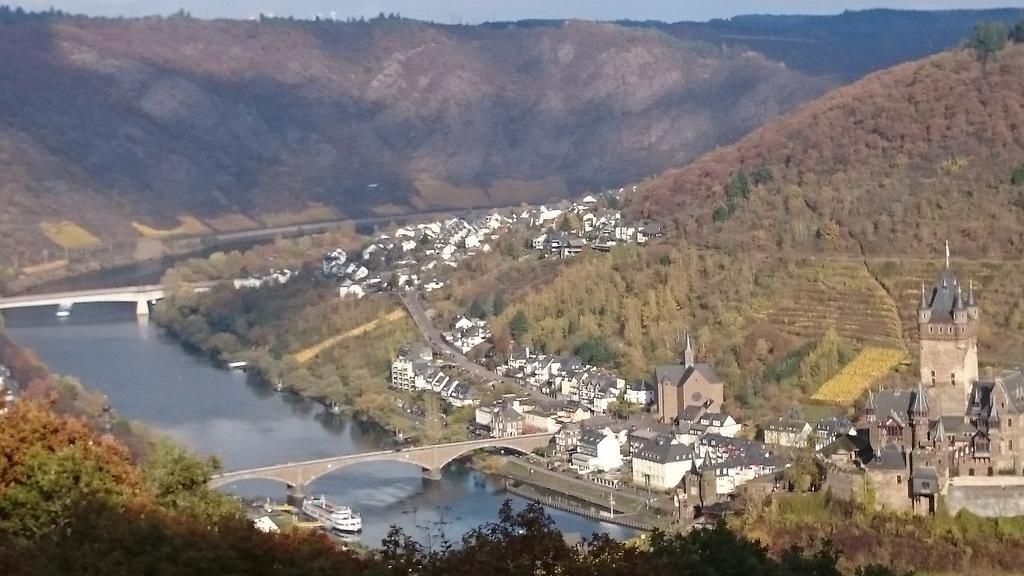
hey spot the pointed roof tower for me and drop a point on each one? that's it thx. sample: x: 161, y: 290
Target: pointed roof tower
x: 870, y: 408
x: 688, y: 357
x: 993, y: 418
x: 924, y: 298
x: 919, y: 407
x: 971, y: 302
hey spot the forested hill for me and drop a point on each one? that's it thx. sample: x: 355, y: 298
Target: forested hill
x: 242, y: 124
x: 891, y: 165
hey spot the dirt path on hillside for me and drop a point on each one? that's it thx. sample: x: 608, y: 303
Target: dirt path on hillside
x: 307, y: 354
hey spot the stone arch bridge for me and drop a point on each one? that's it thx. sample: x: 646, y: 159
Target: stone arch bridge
x: 298, y: 475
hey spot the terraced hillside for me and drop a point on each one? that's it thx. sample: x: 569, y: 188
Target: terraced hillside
x: 997, y: 286
x: 817, y: 293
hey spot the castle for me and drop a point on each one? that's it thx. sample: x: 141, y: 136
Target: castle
x: 909, y: 443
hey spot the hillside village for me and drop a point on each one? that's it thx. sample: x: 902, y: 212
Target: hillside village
x: 421, y: 256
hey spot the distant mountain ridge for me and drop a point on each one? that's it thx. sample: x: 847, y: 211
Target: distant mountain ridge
x: 245, y: 124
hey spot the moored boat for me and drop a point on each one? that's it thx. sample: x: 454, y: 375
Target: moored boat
x: 340, y: 518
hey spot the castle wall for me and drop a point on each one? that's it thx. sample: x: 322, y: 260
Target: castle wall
x: 991, y: 497
x: 889, y: 487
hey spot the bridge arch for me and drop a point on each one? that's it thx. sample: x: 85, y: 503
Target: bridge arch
x: 431, y: 459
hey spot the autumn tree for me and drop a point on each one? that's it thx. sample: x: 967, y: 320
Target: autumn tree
x: 178, y: 480
x: 48, y: 463
x: 804, y: 472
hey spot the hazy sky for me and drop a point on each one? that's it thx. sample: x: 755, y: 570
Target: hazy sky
x: 470, y: 11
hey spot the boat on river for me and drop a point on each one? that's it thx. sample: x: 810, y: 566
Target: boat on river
x: 63, y: 311
x: 340, y: 518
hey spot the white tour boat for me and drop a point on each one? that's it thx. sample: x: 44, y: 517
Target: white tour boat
x: 340, y: 518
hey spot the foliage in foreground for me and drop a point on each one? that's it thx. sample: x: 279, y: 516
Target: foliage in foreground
x: 961, y: 544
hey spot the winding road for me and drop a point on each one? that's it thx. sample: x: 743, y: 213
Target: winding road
x: 413, y: 303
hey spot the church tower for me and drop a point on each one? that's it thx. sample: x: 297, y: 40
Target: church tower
x: 948, y: 322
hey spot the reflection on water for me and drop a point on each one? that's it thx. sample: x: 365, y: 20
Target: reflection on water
x: 147, y: 376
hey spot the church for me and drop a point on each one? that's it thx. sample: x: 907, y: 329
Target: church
x: 953, y: 423
x: 692, y: 384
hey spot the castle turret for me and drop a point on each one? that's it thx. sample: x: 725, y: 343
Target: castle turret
x: 948, y: 332
x: 870, y: 408
x: 924, y: 311
x: 993, y: 419
x: 972, y: 302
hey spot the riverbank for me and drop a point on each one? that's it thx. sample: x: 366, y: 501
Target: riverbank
x: 532, y: 480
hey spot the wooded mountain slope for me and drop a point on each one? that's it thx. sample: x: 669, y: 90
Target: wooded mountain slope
x: 107, y: 121
x: 891, y: 165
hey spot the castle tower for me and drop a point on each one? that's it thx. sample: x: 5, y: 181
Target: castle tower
x: 948, y: 333
x: 688, y: 357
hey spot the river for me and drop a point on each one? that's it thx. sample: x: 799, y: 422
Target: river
x: 147, y: 376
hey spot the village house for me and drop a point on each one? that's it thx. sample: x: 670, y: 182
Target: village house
x: 596, y: 451
x: 467, y: 333
x: 639, y: 392
x: 661, y: 463
x: 410, y: 369
x: 567, y: 439
x: 507, y: 422
x: 540, y: 420
x: 788, y: 433
x: 719, y: 423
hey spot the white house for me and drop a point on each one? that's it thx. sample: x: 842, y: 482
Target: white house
x: 349, y: 289
x: 661, y: 464
x: 266, y: 525
x: 720, y: 423
x: 538, y: 420
x: 540, y: 242
x: 640, y: 393
x: 596, y: 451
x: 732, y: 473
x: 791, y: 433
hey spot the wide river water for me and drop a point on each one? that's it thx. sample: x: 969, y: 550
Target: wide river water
x: 147, y: 376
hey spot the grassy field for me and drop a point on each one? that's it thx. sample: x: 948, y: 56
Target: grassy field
x: 434, y: 192
x: 69, y: 235
x: 856, y: 377
x: 311, y: 213
x: 45, y: 267
x: 188, y: 226
x: 305, y: 355
x: 232, y: 223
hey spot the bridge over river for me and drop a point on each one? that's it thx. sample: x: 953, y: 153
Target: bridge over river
x: 141, y: 296
x: 298, y: 475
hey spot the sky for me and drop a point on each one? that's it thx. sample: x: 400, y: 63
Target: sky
x: 474, y: 11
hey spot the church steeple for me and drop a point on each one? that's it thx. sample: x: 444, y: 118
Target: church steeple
x: 688, y: 359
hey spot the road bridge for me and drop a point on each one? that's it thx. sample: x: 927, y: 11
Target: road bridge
x: 141, y: 296
x: 298, y: 475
